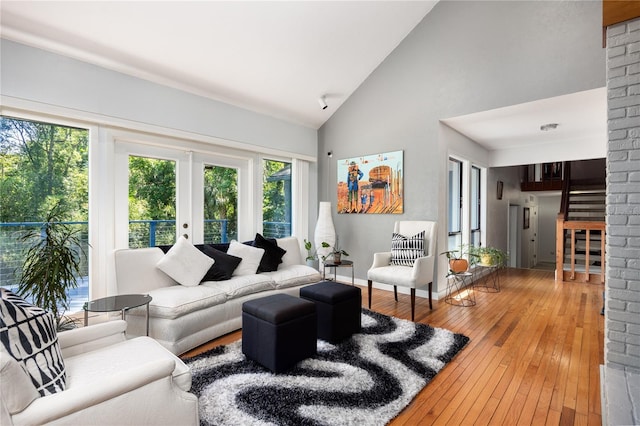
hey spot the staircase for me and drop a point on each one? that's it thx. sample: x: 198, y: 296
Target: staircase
x: 581, y: 231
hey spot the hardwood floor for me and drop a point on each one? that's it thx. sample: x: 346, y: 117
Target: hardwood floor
x: 533, y: 358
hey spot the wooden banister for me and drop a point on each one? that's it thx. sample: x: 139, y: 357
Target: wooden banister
x: 573, y: 226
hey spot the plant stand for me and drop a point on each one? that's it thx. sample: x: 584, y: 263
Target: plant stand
x: 488, y: 278
x: 460, y: 290
x: 347, y: 263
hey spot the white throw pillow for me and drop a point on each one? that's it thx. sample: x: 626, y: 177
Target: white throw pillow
x: 251, y: 257
x: 185, y: 263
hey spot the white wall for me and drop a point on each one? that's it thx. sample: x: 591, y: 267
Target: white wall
x: 463, y: 57
x: 38, y: 76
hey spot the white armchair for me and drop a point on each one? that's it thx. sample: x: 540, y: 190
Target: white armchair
x: 110, y: 380
x: 418, y: 275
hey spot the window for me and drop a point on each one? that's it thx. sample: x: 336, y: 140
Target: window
x: 465, y: 204
x: 42, y: 165
x: 455, y: 205
x: 276, y: 193
x: 475, y: 205
x: 152, y: 202
x: 220, y: 204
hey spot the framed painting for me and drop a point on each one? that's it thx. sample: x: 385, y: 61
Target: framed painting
x: 371, y: 184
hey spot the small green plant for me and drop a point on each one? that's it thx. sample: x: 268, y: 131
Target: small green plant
x: 51, y: 265
x: 311, y: 253
x: 336, y: 252
x: 490, y: 256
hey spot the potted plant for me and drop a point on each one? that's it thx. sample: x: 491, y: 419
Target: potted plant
x: 336, y: 253
x: 458, y: 261
x: 51, y: 265
x: 490, y: 256
x: 312, y: 255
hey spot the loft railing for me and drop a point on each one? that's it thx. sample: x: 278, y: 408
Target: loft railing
x: 581, y: 266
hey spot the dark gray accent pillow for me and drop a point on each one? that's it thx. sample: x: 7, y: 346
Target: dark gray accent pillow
x: 272, y: 256
x: 223, y: 266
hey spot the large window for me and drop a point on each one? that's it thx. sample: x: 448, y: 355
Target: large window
x: 42, y: 165
x: 276, y: 206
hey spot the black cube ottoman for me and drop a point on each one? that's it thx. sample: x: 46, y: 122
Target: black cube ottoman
x: 278, y: 331
x: 338, y: 307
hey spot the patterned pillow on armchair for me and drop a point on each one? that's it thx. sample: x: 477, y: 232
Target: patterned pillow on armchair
x: 28, y: 334
x: 405, y: 250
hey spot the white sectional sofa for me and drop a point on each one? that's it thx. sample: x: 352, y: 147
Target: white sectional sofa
x: 182, y: 317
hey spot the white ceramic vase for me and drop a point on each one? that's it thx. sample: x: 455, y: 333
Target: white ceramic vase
x: 325, y: 231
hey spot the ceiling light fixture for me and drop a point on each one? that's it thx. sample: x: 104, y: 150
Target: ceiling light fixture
x: 322, y: 102
x: 549, y: 126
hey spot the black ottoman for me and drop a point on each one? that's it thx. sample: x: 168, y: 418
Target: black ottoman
x: 338, y: 307
x: 278, y: 331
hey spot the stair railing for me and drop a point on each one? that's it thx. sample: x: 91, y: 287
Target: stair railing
x: 573, y: 226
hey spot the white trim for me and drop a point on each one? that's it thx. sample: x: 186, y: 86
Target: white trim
x: 299, y: 199
x: 12, y: 106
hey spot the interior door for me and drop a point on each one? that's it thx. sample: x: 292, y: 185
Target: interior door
x: 533, y: 250
x: 514, y: 236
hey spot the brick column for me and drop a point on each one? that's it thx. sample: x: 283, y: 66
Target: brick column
x: 621, y: 373
x: 622, y: 309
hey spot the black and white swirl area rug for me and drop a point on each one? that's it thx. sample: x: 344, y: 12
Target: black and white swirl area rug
x: 365, y: 380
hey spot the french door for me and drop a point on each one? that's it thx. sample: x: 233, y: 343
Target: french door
x: 163, y: 193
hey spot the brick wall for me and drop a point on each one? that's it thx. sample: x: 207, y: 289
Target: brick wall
x: 622, y: 309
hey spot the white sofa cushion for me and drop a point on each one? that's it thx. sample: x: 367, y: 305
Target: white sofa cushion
x: 136, y: 271
x: 293, y: 275
x: 185, y: 263
x: 293, y: 255
x: 251, y: 257
x: 242, y: 285
x: 84, y: 368
x: 16, y: 389
x: 173, y: 302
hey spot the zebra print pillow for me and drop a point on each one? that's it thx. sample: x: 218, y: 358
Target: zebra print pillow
x: 28, y: 333
x: 405, y: 250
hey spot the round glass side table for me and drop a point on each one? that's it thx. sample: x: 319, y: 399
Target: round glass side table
x: 121, y: 302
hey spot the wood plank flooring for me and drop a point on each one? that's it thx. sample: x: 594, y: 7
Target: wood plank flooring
x: 533, y: 358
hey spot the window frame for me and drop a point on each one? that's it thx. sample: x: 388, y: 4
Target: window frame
x: 466, y: 199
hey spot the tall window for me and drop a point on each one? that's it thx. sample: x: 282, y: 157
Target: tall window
x: 276, y: 206
x: 465, y: 204
x: 474, y: 205
x: 455, y: 205
x: 42, y: 165
x: 220, y: 204
x: 152, y: 202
